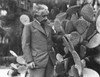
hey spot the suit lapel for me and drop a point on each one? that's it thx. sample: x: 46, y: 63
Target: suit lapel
x: 47, y: 30
x: 37, y: 25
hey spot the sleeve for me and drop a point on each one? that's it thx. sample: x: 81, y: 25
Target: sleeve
x: 26, y: 43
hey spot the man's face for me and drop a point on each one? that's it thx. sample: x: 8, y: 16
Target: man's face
x: 42, y: 18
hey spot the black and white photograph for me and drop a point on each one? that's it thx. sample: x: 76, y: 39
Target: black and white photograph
x: 49, y: 38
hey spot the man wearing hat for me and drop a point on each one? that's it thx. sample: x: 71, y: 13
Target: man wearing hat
x: 37, y: 44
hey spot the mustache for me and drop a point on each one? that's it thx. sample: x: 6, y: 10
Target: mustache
x: 45, y: 20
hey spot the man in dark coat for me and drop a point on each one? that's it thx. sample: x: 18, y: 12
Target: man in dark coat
x: 37, y: 44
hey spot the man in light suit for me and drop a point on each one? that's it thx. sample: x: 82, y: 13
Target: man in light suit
x: 37, y: 44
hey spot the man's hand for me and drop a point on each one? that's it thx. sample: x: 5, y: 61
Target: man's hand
x: 31, y: 65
